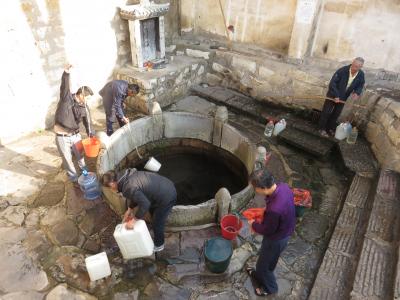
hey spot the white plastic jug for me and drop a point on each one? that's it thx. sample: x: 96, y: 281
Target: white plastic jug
x: 342, y: 131
x: 98, y: 266
x: 152, y: 165
x: 348, y: 128
x: 136, y: 242
x: 279, y: 127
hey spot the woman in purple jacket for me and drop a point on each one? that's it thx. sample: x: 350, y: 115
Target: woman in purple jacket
x: 277, y: 226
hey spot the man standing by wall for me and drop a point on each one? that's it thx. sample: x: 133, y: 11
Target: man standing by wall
x: 149, y: 192
x: 277, y: 226
x: 114, y: 94
x: 347, y: 81
x: 71, y: 110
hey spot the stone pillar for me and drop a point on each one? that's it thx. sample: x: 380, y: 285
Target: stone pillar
x: 161, y: 30
x: 223, y: 199
x: 136, y: 43
x: 261, y: 154
x: 303, y: 27
x: 158, y: 124
x: 221, y: 117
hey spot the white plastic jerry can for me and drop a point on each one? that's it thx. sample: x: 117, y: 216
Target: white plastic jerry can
x: 98, y: 266
x: 279, y: 127
x: 136, y: 242
x: 342, y: 131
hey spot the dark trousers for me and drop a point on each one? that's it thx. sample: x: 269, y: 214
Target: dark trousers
x: 109, y: 123
x: 266, y: 263
x: 160, y: 215
x: 329, y: 115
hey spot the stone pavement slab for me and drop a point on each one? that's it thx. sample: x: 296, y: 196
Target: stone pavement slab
x: 25, y: 164
x: 19, y: 270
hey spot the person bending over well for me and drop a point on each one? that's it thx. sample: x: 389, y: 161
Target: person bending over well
x: 150, y: 192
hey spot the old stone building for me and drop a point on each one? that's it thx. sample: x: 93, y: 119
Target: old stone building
x: 258, y: 58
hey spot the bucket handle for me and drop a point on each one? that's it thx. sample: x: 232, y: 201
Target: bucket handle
x: 238, y: 218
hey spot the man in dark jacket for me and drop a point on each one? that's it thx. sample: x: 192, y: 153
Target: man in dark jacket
x: 71, y: 110
x: 149, y: 192
x: 347, y: 81
x: 114, y: 94
x: 277, y: 226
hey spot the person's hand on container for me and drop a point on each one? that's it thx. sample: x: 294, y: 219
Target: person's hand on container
x: 251, y: 221
x: 130, y: 224
x: 126, y: 120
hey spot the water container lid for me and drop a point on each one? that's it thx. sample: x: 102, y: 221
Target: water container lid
x: 218, y: 249
x: 86, y: 177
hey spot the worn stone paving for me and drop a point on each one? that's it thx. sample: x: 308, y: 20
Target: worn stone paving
x: 47, y: 231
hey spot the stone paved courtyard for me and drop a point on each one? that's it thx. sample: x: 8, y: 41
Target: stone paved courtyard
x: 47, y: 230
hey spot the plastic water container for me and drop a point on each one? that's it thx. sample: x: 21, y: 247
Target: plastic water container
x: 98, y: 266
x: 89, y: 185
x: 152, y: 165
x: 342, y: 131
x: 279, y: 127
x: 352, y: 138
x: 136, y: 242
x: 269, y: 129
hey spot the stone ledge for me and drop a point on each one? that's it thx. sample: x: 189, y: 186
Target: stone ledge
x: 310, y: 143
x: 358, y: 157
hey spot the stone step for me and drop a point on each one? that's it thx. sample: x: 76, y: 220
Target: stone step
x: 334, y: 278
x: 236, y: 102
x: 358, y: 157
x: 308, y: 142
x: 375, y: 276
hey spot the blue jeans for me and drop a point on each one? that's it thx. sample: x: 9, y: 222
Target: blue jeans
x: 160, y: 215
x: 266, y: 263
x: 66, y: 147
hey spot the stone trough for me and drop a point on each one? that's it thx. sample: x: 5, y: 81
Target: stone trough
x: 164, y: 129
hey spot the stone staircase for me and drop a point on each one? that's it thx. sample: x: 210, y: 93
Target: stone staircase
x: 304, y: 135
x: 362, y: 259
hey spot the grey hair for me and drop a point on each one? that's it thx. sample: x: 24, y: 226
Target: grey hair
x: 360, y: 59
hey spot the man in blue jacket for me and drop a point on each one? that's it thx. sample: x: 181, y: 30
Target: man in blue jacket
x: 347, y: 82
x: 277, y: 226
x: 114, y: 94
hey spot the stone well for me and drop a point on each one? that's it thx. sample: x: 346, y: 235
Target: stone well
x: 190, y: 129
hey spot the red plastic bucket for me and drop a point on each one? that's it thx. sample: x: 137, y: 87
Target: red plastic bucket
x: 91, y: 146
x: 230, y: 226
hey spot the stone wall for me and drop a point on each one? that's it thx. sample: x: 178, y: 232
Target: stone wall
x: 383, y: 132
x: 332, y: 29
x: 269, y: 80
x: 342, y: 28
x: 267, y: 23
x: 165, y: 86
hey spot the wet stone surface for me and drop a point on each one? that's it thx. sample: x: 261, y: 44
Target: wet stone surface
x: 51, y: 237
